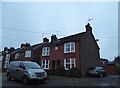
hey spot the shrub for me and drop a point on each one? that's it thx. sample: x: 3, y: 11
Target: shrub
x: 74, y: 72
x: 60, y: 70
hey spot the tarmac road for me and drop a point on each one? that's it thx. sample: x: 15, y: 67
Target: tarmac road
x: 111, y: 80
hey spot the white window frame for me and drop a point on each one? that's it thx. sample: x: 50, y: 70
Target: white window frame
x: 28, y: 53
x: 74, y: 62
x: 7, y: 57
x: 69, y: 63
x: 45, y: 51
x: 69, y: 47
x: 17, y: 56
x: 45, y: 64
x: 6, y: 65
x: 65, y: 63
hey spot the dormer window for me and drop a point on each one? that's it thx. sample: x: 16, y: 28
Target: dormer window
x: 17, y: 56
x: 69, y: 47
x: 45, y: 51
x: 28, y: 53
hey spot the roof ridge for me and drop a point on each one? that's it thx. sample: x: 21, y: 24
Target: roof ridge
x: 72, y: 35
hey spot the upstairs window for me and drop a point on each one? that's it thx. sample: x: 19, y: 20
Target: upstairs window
x: 28, y: 53
x: 17, y: 56
x: 8, y: 57
x: 69, y: 47
x: 45, y: 51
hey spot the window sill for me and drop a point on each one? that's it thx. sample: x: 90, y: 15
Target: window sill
x: 45, y: 56
x: 27, y: 57
x: 45, y: 68
x: 69, y: 52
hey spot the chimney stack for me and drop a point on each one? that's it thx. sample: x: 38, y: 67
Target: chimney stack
x: 5, y: 48
x: 88, y: 28
x: 53, y: 38
x: 45, y: 40
x: 25, y: 45
x: 12, y: 49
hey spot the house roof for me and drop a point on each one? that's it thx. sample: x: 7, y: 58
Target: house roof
x: 17, y: 50
x: 74, y: 37
x: 59, y: 41
x: 21, y: 49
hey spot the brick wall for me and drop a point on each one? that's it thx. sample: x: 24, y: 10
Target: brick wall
x: 89, y: 53
x: 111, y: 69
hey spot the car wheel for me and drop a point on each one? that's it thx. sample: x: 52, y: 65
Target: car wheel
x: 8, y: 76
x: 101, y: 75
x: 25, y: 80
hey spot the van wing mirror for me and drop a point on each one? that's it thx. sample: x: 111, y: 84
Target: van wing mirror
x: 22, y: 66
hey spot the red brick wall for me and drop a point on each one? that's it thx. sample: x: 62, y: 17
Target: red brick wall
x: 59, y: 54
x: 21, y: 56
x: 111, y: 69
x: 77, y: 54
x: 56, y: 54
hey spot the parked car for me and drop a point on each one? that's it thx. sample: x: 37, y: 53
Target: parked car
x: 26, y: 71
x: 97, y: 71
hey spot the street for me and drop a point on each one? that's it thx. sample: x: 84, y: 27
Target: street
x: 111, y: 80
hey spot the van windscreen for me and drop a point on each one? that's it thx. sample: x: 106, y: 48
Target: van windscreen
x: 32, y: 65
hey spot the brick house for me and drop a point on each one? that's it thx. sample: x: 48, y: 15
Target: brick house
x: 1, y: 61
x: 6, y: 54
x: 79, y: 50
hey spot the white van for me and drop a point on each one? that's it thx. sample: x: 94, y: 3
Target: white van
x: 26, y: 71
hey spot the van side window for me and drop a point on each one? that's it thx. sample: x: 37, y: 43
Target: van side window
x: 16, y: 64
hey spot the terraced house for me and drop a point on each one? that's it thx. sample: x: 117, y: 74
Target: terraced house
x: 79, y: 50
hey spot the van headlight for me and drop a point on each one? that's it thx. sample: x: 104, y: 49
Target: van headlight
x: 32, y: 74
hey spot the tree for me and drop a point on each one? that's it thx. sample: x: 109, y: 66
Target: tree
x: 117, y: 60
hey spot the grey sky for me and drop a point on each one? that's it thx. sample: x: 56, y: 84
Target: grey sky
x: 30, y: 22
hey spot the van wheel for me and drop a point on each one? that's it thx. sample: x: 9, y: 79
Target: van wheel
x: 25, y: 80
x: 101, y: 75
x: 8, y: 76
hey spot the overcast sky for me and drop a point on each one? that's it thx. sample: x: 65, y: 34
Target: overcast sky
x: 30, y: 22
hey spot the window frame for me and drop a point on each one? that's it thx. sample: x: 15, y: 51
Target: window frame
x: 69, y: 63
x: 45, y: 51
x: 7, y: 57
x: 6, y: 65
x: 28, y: 53
x: 46, y: 64
x: 69, y: 47
x: 17, y: 56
